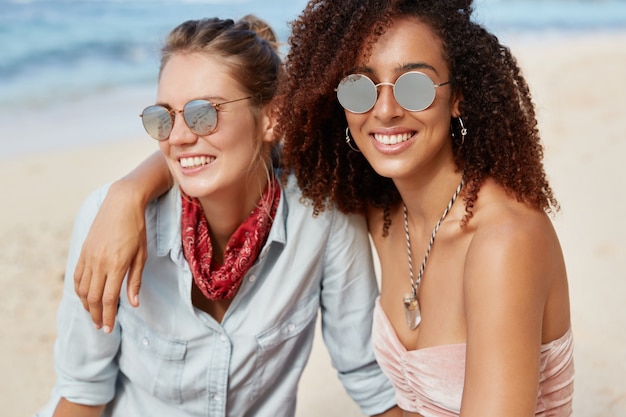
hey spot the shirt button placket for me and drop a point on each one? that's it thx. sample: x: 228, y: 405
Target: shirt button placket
x: 218, y: 376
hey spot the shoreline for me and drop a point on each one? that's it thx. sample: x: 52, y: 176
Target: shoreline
x: 108, y: 117
x: 577, y: 84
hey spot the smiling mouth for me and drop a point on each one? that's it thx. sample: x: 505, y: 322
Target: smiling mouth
x: 393, y: 139
x: 196, y: 161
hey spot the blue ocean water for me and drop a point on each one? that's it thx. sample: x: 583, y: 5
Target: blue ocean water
x: 58, y: 52
x: 59, y: 49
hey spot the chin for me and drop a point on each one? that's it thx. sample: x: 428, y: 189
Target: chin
x: 193, y: 190
x: 387, y: 171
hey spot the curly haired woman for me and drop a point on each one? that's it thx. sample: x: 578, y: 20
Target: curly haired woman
x: 411, y: 114
x: 419, y: 119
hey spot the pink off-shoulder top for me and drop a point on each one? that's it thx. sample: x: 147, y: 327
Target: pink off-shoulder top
x: 430, y: 381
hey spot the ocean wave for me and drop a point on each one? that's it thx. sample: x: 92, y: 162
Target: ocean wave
x: 68, y: 56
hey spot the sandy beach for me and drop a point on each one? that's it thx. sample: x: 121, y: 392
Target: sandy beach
x: 579, y: 88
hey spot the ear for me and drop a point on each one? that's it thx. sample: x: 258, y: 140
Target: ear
x: 455, y: 104
x: 269, y: 120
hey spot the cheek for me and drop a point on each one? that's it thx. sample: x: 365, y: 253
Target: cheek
x: 354, y: 121
x: 438, y: 115
x: 438, y: 127
x: 164, y: 146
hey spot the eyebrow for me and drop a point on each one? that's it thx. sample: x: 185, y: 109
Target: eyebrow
x: 163, y: 104
x: 400, y: 69
x: 416, y: 65
x: 212, y: 99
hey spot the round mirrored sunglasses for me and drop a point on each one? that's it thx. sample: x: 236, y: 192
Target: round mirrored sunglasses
x: 414, y: 91
x: 199, y: 115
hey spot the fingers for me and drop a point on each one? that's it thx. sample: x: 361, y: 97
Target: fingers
x: 82, y: 278
x: 97, y: 282
x: 103, y: 294
x: 89, y: 287
x: 110, y: 299
x: 90, y: 291
x: 94, y: 298
x: 134, y: 276
x: 78, y: 275
x: 116, y: 244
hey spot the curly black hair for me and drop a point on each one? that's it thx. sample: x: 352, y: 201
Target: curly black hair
x: 497, y: 109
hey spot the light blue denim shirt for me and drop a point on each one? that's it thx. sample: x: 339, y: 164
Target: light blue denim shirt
x: 167, y: 358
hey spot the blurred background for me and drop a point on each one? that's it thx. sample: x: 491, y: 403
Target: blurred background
x: 99, y: 59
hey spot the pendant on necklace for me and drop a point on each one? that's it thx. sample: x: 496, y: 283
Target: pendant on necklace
x: 412, y: 311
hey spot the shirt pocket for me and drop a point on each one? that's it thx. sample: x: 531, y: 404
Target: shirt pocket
x: 286, y: 346
x: 149, y: 360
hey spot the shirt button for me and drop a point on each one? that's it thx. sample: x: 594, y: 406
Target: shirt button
x: 216, y: 398
x: 291, y: 327
x: 145, y: 342
x: 252, y: 278
x: 222, y: 338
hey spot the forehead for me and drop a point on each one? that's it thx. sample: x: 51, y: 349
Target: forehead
x: 194, y: 75
x: 406, y: 43
x: 186, y: 67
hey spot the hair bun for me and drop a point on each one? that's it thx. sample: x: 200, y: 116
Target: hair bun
x: 261, y: 28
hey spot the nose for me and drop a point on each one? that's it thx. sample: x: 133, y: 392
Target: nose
x: 386, y: 106
x: 181, y: 134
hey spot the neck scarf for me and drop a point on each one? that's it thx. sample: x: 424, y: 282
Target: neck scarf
x: 218, y: 282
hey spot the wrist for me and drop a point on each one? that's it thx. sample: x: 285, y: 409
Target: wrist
x: 128, y: 189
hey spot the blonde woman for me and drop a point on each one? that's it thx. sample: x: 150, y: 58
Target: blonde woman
x: 236, y: 267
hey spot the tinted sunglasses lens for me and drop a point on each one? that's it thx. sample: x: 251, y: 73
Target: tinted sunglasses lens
x: 414, y: 91
x: 357, y: 93
x: 200, y: 116
x: 157, y: 122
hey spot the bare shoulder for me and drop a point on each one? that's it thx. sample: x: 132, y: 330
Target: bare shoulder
x: 512, y: 240
x: 501, y: 220
x: 514, y: 268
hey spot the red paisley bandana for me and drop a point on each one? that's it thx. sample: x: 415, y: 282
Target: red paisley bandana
x: 216, y: 281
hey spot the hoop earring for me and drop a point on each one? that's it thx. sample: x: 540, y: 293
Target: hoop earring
x: 349, y: 141
x: 463, y: 130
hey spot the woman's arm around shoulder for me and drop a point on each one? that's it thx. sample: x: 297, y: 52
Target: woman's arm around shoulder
x: 116, y: 243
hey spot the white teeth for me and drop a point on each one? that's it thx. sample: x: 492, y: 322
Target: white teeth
x: 195, y: 161
x: 392, y: 139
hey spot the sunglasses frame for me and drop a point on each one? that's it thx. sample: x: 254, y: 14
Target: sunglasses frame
x: 172, y: 113
x: 393, y: 85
